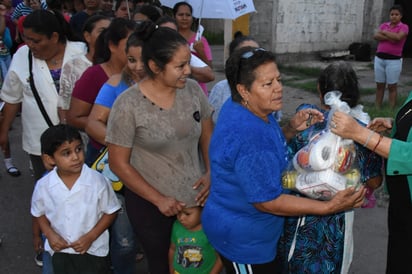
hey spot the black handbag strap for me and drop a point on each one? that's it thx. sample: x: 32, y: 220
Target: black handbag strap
x: 36, y: 93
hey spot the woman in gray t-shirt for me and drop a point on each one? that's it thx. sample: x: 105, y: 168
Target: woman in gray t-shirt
x: 158, y: 132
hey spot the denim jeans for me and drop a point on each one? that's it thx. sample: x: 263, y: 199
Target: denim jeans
x: 47, y: 267
x: 123, y: 242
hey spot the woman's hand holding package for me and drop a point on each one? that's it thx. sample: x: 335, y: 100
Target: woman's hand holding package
x: 345, y: 126
x: 302, y: 120
x: 346, y: 199
x: 305, y: 118
x: 204, y: 183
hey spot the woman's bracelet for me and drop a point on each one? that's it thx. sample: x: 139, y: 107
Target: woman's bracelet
x: 379, y: 141
x: 369, y: 138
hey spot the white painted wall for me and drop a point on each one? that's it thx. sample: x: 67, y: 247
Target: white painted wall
x: 299, y: 27
x: 316, y: 25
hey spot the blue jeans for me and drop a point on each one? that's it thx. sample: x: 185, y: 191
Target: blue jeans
x: 123, y: 242
x: 47, y: 267
x: 4, y: 65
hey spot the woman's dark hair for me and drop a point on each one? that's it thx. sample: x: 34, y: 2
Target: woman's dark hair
x: 238, y: 38
x: 119, y: 2
x: 54, y: 5
x: 398, y: 8
x: 48, y: 22
x: 150, y: 11
x: 179, y: 4
x: 53, y: 137
x: 118, y: 29
x: 166, y: 19
x: 241, y: 65
x: 342, y: 77
x: 134, y: 41
x: 91, y: 22
x: 160, y: 44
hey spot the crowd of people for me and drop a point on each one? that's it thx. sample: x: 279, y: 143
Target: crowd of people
x: 191, y: 181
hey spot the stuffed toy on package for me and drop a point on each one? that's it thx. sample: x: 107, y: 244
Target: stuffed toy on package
x: 327, y: 164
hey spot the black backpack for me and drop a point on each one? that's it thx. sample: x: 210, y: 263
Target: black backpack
x: 361, y: 51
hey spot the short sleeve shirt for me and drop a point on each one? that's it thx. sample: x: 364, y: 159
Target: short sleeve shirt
x: 247, y: 158
x: 193, y: 252
x: 74, y: 212
x: 89, y: 84
x: 108, y: 94
x: 390, y: 47
x: 72, y: 71
x: 164, y: 142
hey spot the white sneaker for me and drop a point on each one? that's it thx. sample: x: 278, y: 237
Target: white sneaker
x: 39, y: 259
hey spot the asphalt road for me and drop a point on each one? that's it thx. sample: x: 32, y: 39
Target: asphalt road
x: 17, y: 255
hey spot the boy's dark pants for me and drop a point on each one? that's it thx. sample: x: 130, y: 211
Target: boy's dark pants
x: 64, y: 263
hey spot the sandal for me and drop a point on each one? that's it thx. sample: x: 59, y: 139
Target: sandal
x: 13, y: 171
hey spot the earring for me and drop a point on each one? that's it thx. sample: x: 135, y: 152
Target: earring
x: 245, y: 103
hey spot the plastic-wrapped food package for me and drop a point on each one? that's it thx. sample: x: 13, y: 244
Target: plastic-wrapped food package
x: 327, y: 164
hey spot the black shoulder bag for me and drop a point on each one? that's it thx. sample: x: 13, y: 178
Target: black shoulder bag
x: 36, y: 93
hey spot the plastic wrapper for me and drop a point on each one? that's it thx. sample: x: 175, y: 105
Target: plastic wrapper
x: 327, y: 164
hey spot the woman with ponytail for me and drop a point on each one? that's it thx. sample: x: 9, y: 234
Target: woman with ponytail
x: 156, y: 131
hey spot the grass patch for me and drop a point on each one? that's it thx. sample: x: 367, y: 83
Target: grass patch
x: 310, y: 86
x: 385, y: 111
x: 304, y: 78
x: 303, y: 71
x: 367, y: 91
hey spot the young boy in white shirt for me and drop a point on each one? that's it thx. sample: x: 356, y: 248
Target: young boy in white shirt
x: 74, y: 205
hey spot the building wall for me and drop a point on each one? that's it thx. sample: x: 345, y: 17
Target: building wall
x: 302, y: 28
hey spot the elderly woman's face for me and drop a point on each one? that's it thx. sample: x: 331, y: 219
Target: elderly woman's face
x: 40, y: 45
x: 265, y: 94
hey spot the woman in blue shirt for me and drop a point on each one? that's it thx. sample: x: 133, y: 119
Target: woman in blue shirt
x: 244, y: 214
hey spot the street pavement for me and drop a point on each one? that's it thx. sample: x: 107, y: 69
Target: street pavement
x: 16, y: 252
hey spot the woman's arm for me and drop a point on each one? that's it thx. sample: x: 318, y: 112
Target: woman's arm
x: 301, y: 120
x: 78, y: 112
x: 203, y: 74
x: 119, y: 161
x: 204, y: 181
x: 347, y: 127
x: 96, y: 123
x: 379, y: 36
x: 394, y: 36
x: 290, y: 205
x: 9, y: 113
